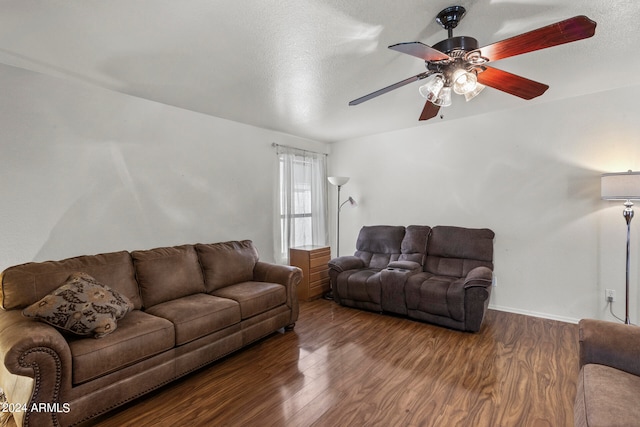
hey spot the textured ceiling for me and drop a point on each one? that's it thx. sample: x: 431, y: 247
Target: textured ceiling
x: 293, y: 66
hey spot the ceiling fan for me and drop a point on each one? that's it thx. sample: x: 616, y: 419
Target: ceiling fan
x: 458, y: 64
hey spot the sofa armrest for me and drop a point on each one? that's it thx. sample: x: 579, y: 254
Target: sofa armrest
x: 37, y: 364
x: 479, y: 277
x: 286, y: 275
x: 345, y: 263
x: 611, y: 344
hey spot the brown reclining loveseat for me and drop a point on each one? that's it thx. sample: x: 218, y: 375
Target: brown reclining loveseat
x: 440, y: 275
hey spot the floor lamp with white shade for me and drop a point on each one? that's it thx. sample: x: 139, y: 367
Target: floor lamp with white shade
x: 339, y: 181
x: 623, y: 186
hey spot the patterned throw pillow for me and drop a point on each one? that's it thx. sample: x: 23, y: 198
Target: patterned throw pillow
x: 83, y: 306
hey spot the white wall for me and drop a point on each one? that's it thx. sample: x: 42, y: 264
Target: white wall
x: 85, y: 170
x: 533, y: 176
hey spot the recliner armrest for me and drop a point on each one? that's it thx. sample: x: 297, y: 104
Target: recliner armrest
x: 479, y: 276
x: 345, y: 263
x: 405, y: 265
x: 611, y: 344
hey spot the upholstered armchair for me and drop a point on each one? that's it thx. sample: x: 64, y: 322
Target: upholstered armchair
x: 608, y: 389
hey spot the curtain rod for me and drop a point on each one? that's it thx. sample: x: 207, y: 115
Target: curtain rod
x: 273, y: 144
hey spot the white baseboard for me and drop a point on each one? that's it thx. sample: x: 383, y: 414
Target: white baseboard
x: 534, y: 314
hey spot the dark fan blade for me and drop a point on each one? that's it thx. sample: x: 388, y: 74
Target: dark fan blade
x: 419, y: 50
x: 389, y: 88
x: 570, y: 30
x: 429, y: 111
x: 511, y: 83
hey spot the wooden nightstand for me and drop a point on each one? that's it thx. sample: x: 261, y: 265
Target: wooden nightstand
x: 313, y: 260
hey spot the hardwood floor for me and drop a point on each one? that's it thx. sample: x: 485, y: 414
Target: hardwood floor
x: 347, y: 367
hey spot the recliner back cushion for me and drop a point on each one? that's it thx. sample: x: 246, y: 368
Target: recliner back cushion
x: 25, y: 284
x: 168, y: 273
x: 227, y: 263
x: 454, y: 251
x: 414, y: 243
x: 378, y: 245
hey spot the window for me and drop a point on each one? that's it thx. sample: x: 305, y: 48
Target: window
x: 301, y: 217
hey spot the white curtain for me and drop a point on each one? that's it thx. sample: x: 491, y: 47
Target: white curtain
x: 301, y: 201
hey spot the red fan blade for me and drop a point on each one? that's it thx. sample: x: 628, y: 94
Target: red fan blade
x: 420, y: 50
x: 429, y: 111
x: 570, y: 30
x: 389, y: 88
x: 511, y: 83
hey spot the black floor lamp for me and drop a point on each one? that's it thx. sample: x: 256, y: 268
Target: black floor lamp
x: 623, y: 186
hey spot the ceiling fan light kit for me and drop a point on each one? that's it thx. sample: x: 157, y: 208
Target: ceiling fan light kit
x: 468, y: 96
x: 464, y: 81
x: 459, y: 64
x: 432, y: 87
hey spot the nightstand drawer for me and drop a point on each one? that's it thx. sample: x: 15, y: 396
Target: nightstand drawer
x: 319, y: 258
x: 318, y: 275
x: 318, y: 288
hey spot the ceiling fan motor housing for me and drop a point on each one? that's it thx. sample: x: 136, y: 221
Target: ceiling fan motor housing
x: 461, y: 43
x: 457, y: 49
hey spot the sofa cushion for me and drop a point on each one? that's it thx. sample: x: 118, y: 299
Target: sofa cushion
x: 377, y: 245
x: 197, y: 315
x: 82, y: 306
x: 138, y: 337
x: 24, y: 284
x: 606, y: 397
x: 167, y: 273
x: 227, y: 263
x: 454, y: 251
x: 254, y: 297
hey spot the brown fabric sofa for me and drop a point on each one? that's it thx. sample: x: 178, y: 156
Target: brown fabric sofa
x: 440, y: 275
x: 192, y: 304
x: 608, y: 390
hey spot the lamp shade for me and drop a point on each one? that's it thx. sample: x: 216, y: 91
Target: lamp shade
x: 338, y: 180
x: 620, y: 186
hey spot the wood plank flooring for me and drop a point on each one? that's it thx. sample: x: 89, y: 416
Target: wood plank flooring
x: 347, y: 367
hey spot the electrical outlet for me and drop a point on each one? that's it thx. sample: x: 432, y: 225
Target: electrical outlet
x: 609, y: 295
